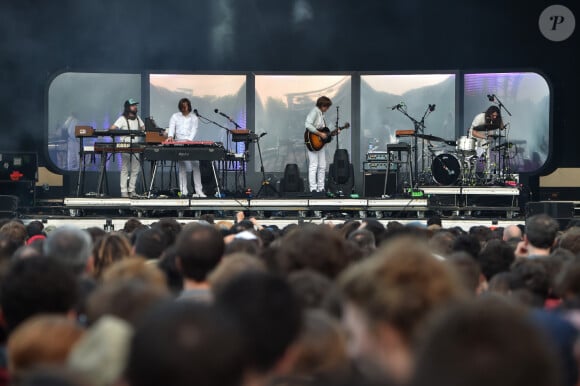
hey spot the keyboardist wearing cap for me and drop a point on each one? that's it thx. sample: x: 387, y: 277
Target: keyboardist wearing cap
x: 130, y: 162
x: 183, y: 127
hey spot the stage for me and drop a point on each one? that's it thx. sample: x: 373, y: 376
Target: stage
x: 482, y: 202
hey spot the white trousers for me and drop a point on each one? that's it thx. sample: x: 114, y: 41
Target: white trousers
x: 186, y: 167
x: 130, y: 167
x: 316, y: 170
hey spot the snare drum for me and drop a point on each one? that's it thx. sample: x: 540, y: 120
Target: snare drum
x: 446, y: 169
x: 466, y: 144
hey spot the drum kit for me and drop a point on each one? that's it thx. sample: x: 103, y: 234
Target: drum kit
x: 467, y: 161
x: 471, y: 162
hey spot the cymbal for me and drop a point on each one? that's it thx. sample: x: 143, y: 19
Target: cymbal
x: 487, y: 127
x: 429, y: 137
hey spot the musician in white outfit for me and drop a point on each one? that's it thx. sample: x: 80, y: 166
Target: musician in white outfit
x: 183, y: 127
x: 130, y: 162
x: 317, y: 159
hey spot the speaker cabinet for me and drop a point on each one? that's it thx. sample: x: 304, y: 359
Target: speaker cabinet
x: 374, y: 183
x: 562, y: 211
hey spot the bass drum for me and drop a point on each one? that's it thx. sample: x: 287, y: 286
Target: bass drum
x: 446, y: 169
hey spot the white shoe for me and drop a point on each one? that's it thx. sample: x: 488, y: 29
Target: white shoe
x: 201, y: 195
x: 124, y: 194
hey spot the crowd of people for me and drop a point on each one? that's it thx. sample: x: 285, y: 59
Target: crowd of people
x: 229, y: 303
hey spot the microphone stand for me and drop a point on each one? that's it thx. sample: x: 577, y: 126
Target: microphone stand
x: 336, y: 125
x: 419, y: 129
x: 228, y: 131
x: 505, y: 169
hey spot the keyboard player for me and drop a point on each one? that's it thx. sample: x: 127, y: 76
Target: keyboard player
x: 183, y: 127
x: 130, y: 162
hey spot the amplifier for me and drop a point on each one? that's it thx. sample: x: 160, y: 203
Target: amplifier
x: 377, y: 156
x: 374, y: 183
x: 377, y: 165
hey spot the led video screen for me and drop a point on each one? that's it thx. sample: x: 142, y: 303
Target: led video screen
x: 93, y: 99
x: 282, y: 103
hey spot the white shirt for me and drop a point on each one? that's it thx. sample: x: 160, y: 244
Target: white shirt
x: 183, y: 128
x: 123, y: 123
x: 315, y: 120
x: 478, y: 120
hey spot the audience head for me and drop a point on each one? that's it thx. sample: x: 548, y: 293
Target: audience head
x: 468, y: 271
x: 34, y: 286
x: 481, y: 343
x: 319, y: 249
x: 541, y: 231
x: 150, y: 244
x: 40, y: 341
x: 467, y: 243
x: 70, y: 245
x: 269, y: 315
x: 531, y: 275
x: 310, y: 287
x: 16, y: 231
x: 570, y: 240
x: 109, y: 249
x: 183, y: 343
x: 199, y: 251
x: 388, y: 297
x: 128, y: 300
x: 170, y: 228
x: 512, y: 232
x: 442, y: 243
x: 233, y: 266
x: 497, y: 256
x: 364, y: 239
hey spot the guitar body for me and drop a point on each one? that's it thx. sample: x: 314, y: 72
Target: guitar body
x: 315, y: 143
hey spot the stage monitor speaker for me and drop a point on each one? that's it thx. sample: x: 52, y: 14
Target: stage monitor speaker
x: 8, y: 206
x: 562, y: 211
x: 374, y: 183
x: 291, y: 182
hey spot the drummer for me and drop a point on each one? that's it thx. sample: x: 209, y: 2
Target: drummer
x: 484, y: 126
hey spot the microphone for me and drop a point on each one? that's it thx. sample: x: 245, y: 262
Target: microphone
x: 397, y: 106
x: 261, y: 135
x: 432, y: 107
x: 491, y: 97
x: 195, y: 112
x: 216, y: 111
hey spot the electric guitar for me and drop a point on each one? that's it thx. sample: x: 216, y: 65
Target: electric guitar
x: 315, y: 143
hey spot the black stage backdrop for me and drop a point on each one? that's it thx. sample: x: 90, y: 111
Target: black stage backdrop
x: 39, y: 39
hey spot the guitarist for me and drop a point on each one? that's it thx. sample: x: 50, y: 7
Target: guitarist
x: 317, y: 159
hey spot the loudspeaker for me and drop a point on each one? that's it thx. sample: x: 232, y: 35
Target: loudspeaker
x: 374, y: 183
x: 24, y: 190
x: 562, y: 211
x: 291, y: 182
x: 8, y: 206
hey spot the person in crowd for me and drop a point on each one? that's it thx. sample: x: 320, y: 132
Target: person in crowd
x: 485, y: 342
x: 181, y: 343
x: 34, y: 286
x: 70, y: 245
x: 387, y: 299
x: 199, y: 250
x: 150, y: 244
x: 270, y: 317
x: 16, y: 231
x: 496, y: 257
x: 512, y: 232
x: 41, y: 340
x: 539, y: 237
x: 232, y: 266
x: 109, y: 249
